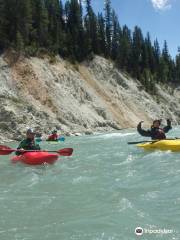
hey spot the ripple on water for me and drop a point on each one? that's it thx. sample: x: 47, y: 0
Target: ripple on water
x: 83, y: 179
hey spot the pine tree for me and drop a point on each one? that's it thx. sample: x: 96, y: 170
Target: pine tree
x: 151, y: 58
x: 157, y: 51
x: 91, y: 29
x: 4, y: 41
x: 108, y: 21
x: 88, y: 26
x: 137, y: 46
x: 177, y: 70
x: 168, y: 64
x: 125, y: 49
x: 116, y: 30
x: 157, y: 54
x: 24, y: 20
x: 39, y: 33
x: 54, y: 8
x: 165, y: 52
x: 16, y: 21
x: 10, y: 20
x: 148, y: 81
x: 75, y: 31
x: 163, y: 72
x: 101, y: 34
x: 19, y: 42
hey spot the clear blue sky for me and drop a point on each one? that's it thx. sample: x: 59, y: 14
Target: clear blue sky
x: 160, y: 17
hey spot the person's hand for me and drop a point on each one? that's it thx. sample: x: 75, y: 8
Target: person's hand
x: 20, y: 150
x: 139, y: 124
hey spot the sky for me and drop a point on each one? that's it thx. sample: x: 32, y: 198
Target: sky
x: 159, y: 17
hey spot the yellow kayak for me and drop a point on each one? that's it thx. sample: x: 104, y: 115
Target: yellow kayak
x: 172, y: 145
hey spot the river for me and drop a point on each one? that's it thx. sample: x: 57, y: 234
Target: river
x: 103, y: 192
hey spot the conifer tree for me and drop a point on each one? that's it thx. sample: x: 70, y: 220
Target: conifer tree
x: 24, y: 20
x: 168, y: 64
x: 30, y: 25
x: 101, y: 34
x: 115, y: 36
x: 4, y: 40
x: 91, y: 29
x: 10, y: 20
x: 40, y: 23
x: 54, y: 24
x: 165, y: 52
x: 108, y: 21
x: 150, y: 55
x: 124, y: 57
x: 75, y: 31
x: 136, y: 59
x: 177, y: 65
x: 157, y: 54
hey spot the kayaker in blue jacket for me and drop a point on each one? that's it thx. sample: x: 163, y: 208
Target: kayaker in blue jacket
x: 156, y: 132
x: 29, y: 142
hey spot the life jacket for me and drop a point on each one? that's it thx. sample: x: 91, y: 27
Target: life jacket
x: 158, y: 133
x: 53, y: 137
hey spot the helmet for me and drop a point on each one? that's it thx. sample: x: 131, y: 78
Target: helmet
x: 30, y: 130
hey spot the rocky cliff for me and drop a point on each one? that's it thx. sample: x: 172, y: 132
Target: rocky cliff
x: 46, y: 93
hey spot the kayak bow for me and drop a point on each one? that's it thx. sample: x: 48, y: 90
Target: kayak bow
x: 164, y: 145
x: 35, y: 158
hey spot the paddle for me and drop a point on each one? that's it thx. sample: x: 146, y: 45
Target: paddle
x: 152, y: 141
x: 143, y: 142
x: 5, y: 150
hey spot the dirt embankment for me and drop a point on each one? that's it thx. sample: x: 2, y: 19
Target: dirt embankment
x: 89, y: 97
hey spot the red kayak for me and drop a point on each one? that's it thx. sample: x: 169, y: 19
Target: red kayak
x: 36, y: 158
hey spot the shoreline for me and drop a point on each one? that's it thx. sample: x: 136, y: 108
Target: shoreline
x: 69, y: 134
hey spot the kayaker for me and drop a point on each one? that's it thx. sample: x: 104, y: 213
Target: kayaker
x: 54, y: 136
x: 156, y: 132
x: 29, y: 142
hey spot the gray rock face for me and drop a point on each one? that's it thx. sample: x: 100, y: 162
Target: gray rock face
x: 90, y: 97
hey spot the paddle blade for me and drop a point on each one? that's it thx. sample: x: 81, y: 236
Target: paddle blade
x: 137, y: 142
x: 65, y: 152
x: 4, y: 150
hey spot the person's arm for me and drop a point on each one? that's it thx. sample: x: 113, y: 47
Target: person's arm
x: 142, y: 132
x: 168, y: 127
x: 22, y: 145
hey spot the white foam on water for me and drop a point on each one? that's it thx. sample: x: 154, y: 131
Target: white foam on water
x: 151, y: 195
x: 156, y: 153
x: 33, y: 181
x: 124, y: 204
x: 131, y: 173
x: 83, y: 179
x: 115, y: 135
x: 130, y: 158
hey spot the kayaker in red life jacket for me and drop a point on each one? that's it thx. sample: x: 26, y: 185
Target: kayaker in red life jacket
x: 29, y: 142
x: 155, y: 132
x: 54, y: 136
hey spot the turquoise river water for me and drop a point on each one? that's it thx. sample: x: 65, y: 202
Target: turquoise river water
x: 103, y: 192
